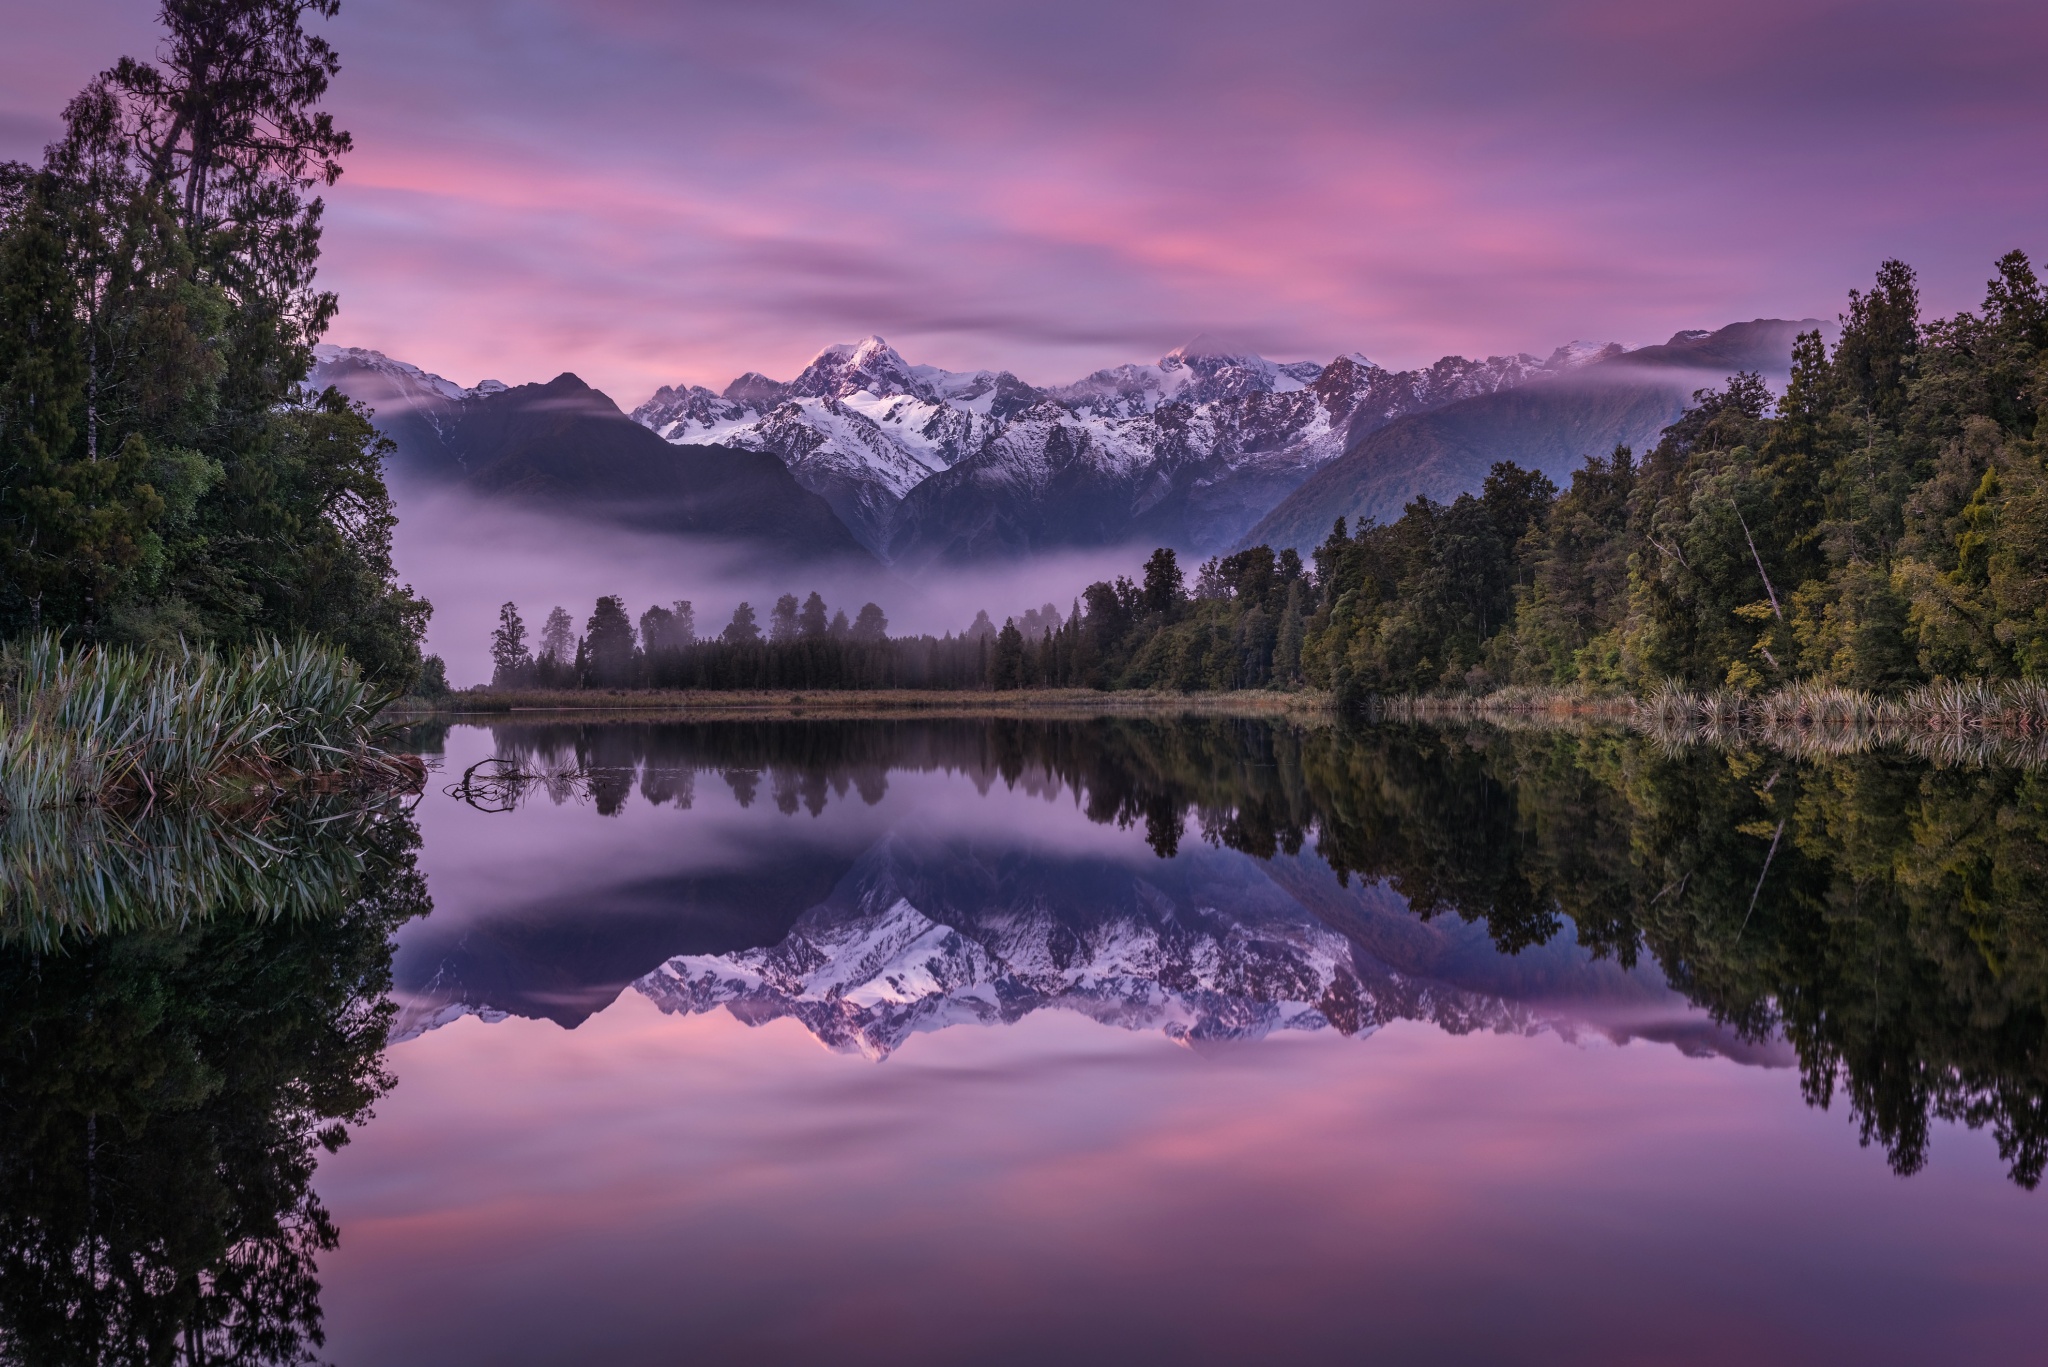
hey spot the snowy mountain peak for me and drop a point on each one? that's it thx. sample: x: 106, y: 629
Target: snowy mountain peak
x: 1205, y: 346
x: 870, y: 366
x: 403, y: 375
x: 1572, y: 355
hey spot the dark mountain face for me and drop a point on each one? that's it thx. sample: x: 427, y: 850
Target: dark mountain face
x: 566, y: 448
x: 1552, y: 425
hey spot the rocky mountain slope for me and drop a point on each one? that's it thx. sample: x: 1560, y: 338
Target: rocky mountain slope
x: 929, y: 466
x: 1551, y: 423
x: 565, y: 447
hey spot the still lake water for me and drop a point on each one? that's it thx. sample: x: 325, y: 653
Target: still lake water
x: 1200, y: 1041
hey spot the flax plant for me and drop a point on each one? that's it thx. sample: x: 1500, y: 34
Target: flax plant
x: 106, y: 726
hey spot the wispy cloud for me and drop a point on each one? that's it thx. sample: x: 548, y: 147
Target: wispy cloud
x: 646, y: 192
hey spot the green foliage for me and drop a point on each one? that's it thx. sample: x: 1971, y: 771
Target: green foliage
x: 163, y: 473
x: 110, y: 725
x: 1882, y: 525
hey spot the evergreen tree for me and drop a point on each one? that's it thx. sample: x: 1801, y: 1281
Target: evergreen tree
x: 871, y: 626
x: 156, y: 282
x: 1165, y: 588
x: 511, y: 664
x: 609, y: 641
x: 812, y: 623
x: 782, y: 619
x: 741, y: 630
x: 658, y: 629
x: 1006, y: 665
x: 557, y: 638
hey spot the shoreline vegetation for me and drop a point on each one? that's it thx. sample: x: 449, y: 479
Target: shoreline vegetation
x: 830, y: 703
x: 1974, y: 721
x: 138, y: 730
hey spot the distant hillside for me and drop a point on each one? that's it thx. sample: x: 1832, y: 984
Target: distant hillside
x: 1549, y: 424
x: 565, y: 447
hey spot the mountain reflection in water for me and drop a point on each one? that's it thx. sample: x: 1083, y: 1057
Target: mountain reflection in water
x: 195, y: 1013
x: 1874, y: 919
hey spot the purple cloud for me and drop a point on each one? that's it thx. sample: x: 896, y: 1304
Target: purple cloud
x: 650, y: 192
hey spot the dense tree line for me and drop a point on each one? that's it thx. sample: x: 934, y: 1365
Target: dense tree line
x: 164, y: 472
x: 804, y: 645
x: 1884, y: 522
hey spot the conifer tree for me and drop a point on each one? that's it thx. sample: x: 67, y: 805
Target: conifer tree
x: 609, y: 640
x: 511, y: 664
x: 742, y: 629
x: 811, y: 621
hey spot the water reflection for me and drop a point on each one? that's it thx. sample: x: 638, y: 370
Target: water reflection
x: 1878, y: 917
x: 194, y: 1012
x: 189, y: 1015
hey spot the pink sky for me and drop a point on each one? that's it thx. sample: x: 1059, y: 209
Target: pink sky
x: 651, y: 1188
x: 646, y: 193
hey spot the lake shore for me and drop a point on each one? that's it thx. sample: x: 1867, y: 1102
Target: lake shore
x: 836, y: 704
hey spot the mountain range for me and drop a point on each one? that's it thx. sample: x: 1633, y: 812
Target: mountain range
x: 565, y: 447
x: 1209, y: 448
x: 920, y: 933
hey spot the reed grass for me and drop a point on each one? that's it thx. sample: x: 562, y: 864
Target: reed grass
x: 107, y: 726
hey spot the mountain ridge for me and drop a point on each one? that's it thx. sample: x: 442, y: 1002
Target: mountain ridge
x: 1552, y: 424
x: 567, y: 447
x: 1209, y: 448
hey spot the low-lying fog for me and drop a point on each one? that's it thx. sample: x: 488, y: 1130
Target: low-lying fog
x: 468, y: 558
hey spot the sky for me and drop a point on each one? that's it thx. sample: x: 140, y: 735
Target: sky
x: 648, y: 192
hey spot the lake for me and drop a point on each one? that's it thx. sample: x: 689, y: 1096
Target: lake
x: 1111, y: 1040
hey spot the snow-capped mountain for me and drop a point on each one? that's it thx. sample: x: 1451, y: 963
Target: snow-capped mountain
x: 928, y: 465
x: 405, y: 398
x: 567, y: 448
x: 922, y: 934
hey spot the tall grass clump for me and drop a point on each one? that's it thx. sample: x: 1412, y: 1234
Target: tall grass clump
x: 108, y: 726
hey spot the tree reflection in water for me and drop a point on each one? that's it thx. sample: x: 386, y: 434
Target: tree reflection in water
x: 165, y: 1081
x: 1888, y: 915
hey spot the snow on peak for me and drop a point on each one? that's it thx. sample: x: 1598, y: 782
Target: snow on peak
x: 402, y: 373
x: 864, y: 980
x: 1572, y: 355
x: 848, y: 368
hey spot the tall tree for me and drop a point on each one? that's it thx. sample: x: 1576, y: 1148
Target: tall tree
x: 782, y: 619
x: 812, y: 622
x: 608, y: 636
x: 741, y: 630
x: 511, y: 664
x: 193, y: 489
x: 557, y: 637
